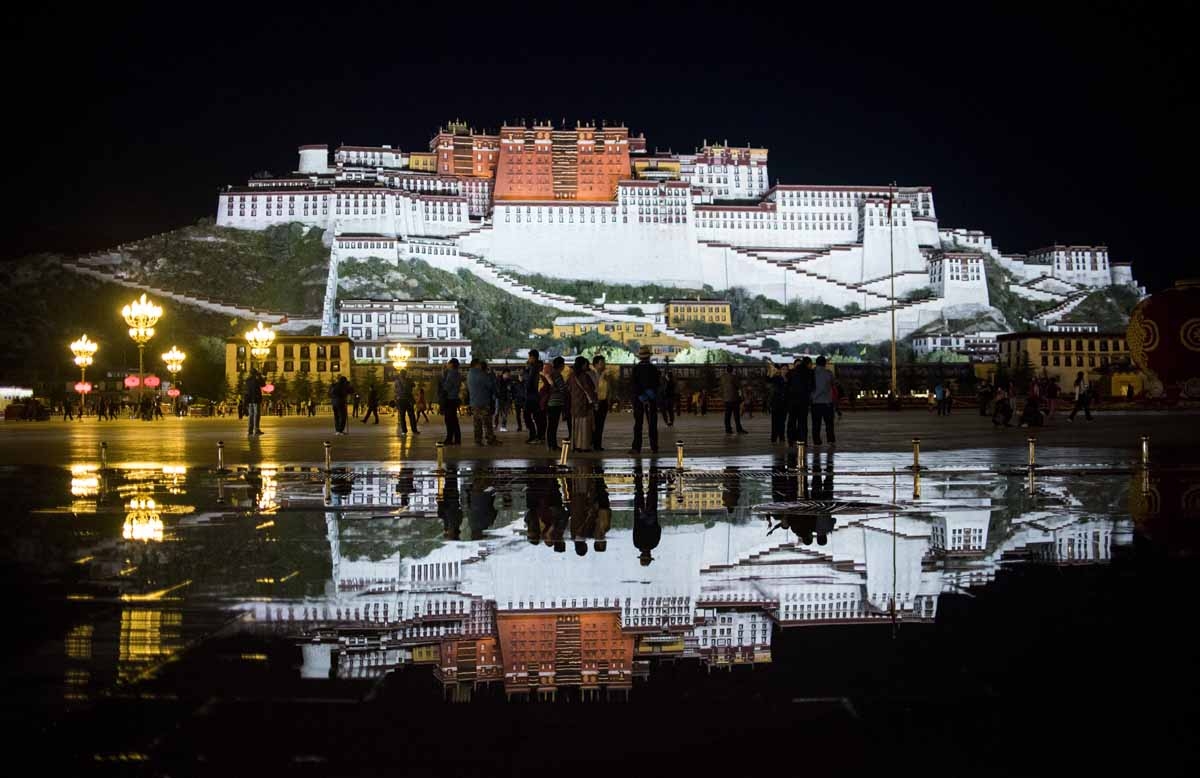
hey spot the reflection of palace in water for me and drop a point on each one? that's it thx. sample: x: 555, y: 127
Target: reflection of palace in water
x: 576, y: 580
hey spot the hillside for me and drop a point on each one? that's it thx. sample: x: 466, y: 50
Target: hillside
x: 1108, y: 307
x: 495, y: 321
x: 51, y: 307
x: 281, y: 268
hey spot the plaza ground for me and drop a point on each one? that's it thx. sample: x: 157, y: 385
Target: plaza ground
x: 961, y: 438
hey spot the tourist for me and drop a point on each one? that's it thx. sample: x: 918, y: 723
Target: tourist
x: 535, y: 419
x: 357, y: 401
x: 68, y: 413
x: 822, y: 403
x: 939, y: 398
x: 667, y: 396
x: 252, y: 395
x: 554, y: 392
x: 696, y: 403
x: 603, y: 383
x: 481, y: 391
x: 948, y: 399
x: 647, y: 532
x: 449, y: 393
x: 731, y: 397
x: 703, y: 402
x: 1052, y: 392
x: 312, y: 408
x: 800, y: 386
x: 985, y: 398
x: 422, y: 406
x: 1031, y: 414
x: 645, y: 400
x: 503, y: 399
x: 402, y: 388
x: 516, y: 388
x: 1083, y: 398
x: 777, y: 396
x: 582, y: 405
x: 339, y: 396
x: 1002, y: 412
x: 372, y: 404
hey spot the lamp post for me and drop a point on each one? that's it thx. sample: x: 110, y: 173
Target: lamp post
x: 260, y: 339
x: 141, y: 315
x: 399, y: 356
x: 892, y: 280
x: 84, y: 350
x: 174, y: 359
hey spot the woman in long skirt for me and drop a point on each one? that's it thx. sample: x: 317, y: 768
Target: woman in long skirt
x: 583, y: 405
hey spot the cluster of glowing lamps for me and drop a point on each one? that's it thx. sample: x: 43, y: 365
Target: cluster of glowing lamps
x: 84, y: 351
x: 141, y: 315
x: 143, y: 521
x: 174, y: 359
x: 399, y: 355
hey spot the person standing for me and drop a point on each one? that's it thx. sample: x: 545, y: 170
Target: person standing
x: 1052, y: 392
x: 731, y: 397
x: 372, y: 404
x: 822, y: 402
x: 939, y: 398
x: 339, y: 397
x: 645, y: 400
x: 603, y: 383
x: 535, y: 419
x: 449, y: 394
x: 357, y: 403
x: 422, y: 406
x: 554, y: 389
x: 481, y: 388
x: 800, y: 385
x: 777, y: 392
x: 582, y: 405
x: 1083, y: 398
x: 516, y: 387
x: 666, y: 400
x: 403, y: 390
x: 503, y: 399
x: 252, y: 396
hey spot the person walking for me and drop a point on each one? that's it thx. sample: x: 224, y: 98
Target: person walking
x: 800, y: 386
x: 449, y: 395
x: 603, y: 384
x: 422, y: 406
x: 646, y: 382
x: 481, y: 388
x: 372, y: 404
x: 777, y: 396
x: 252, y: 396
x: 1083, y: 398
x: 666, y: 400
x: 985, y: 398
x: 535, y: 419
x: 503, y: 399
x: 402, y: 389
x: 1002, y: 410
x: 822, y: 403
x: 582, y: 405
x: 554, y: 390
x: 339, y: 397
x: 1052, y: 392
x: 731, y: 397
x: 357, y: 402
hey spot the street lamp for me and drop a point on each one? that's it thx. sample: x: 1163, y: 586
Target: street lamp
x: 141, y: 315
x: 84, y: 350
x: 399, y: 356
x: 260, y: 339
x: 174, y: 359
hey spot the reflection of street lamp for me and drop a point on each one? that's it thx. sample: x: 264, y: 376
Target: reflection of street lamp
x: 141, y: 315
x: 143, y: 521
x: 260, y: 339
x: 399, y: 356
x: 84, y: 350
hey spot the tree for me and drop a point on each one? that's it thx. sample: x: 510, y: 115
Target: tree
x: 283, y: 392
x: 1024, y: 373
x: 302, y: 388
x: 319, y: 390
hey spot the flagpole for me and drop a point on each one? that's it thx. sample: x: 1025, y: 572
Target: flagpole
x: 892, y: 268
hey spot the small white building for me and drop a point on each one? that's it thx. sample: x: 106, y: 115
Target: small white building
x: 1087, y: 265
x: 430, y: 329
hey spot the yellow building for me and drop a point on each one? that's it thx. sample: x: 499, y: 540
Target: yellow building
x: 710, y: 311
x: 620, y: 331
x: 1068, y: 349
x: 320, y: 357
x: 424, y: 161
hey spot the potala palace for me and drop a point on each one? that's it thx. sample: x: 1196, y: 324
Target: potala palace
x: 591, y: 202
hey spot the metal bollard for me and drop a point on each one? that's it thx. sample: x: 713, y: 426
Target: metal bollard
x: 440, y: 449
x: 1032, y: 452
x: 328, y: 456
x: 916, y: 465
x: 220, y: 456
x: 679, y: 455
x: 103, y: 456
x: 1145, y: 451
x: 563, y: 452
x: 801, y: 455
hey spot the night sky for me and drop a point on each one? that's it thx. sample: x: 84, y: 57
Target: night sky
x: 1035, y: 128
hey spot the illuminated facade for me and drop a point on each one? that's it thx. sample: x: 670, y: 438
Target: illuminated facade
x: 622, y: 331
x: 315, y: 356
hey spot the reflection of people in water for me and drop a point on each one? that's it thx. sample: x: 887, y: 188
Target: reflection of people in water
x: 647, y: 532
x: 405, y: 485
x: 732, y: 493
x: 482, y: 504
x: 784, y: 486
x: 583, y: 506
x: 603, y: 511
x: 450, y: 505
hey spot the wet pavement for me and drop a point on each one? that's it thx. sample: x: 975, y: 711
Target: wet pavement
x: 510, y: 616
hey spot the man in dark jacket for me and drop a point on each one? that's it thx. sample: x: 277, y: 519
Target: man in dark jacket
x: 252, y: 396
x: 535, y: 417
x: 799, y: 391
x: 372, y: 404
x: 339, y: 397
x: 646, y: 383
x: 403, y: 390
x: 449, y: 397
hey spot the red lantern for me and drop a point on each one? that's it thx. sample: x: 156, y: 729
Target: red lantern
x: 172, y: 392
x: 132, y: 381
x: 1164, y: 338
x: 268, y: 388
x: 152, y: 381
x: 83, y: 387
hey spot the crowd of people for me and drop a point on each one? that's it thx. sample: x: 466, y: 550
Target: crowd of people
x: 1041, y: 404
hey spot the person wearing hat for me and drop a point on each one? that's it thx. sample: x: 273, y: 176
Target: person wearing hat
x: 647, y: 532
x: 646, y: 382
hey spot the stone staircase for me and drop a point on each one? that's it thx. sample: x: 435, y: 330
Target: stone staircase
x: 1062, y: 309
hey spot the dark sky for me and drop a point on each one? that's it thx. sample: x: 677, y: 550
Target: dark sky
x: 1034, y: 125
